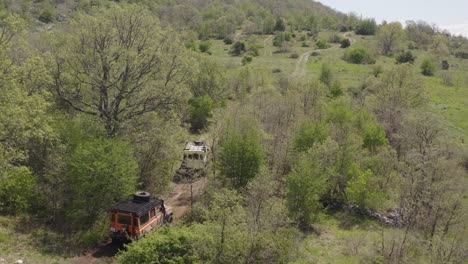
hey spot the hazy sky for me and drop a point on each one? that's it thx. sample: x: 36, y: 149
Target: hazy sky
x: 447, y: 14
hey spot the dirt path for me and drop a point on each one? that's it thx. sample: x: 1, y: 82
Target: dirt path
x: 266, y: 42
x: 179, y: 200
x: 301, y: 65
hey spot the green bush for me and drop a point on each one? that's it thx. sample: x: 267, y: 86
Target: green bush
x: 247, y: 59
x: 405, y: 57
x: 335, y: 38
x: 321, y: 44
x: 17, y: 190
x: 358, y: 55
x: 345, y: 43
x: 227, y: 40
x: 237, y: 48
x: 428, y: 67
x: 204, y: 46
x: 47, y: 15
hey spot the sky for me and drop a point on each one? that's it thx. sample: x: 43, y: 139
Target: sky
x: 447, y: 14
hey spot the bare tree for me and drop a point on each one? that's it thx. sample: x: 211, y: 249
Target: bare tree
x: 120, y: 66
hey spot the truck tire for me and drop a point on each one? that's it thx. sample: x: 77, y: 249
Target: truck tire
x: 142, y: 196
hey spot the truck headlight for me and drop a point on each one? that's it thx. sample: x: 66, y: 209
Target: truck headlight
x: 112, y: 229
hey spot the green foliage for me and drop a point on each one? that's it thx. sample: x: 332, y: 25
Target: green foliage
x: 241, y: 152
x: 321, y: 44
x: 280, y: 24
x: 389, y: 36
x: 360, y: 190
x: 405, y: 57
x: 377, y: 70
x: 200, y: 109
x: 281, y: 38
x: 358, y: 55
x: 247, y: 59
x: 191, y: 45
x: 237, y: 48
x: 101, y: 172
x: 48, y: 14
x: 326, y: 75
x: 305, y: 185
x: 345, y: 43
x: 17, y: 191
x: 309, y: 134
x: 428, y: 67
x: 335, y: 38
x: 366, y: 26
x: 374, y: 136
x: 227, y: 41
x: 204, y: 46
x: 335, y: 90
x: 168, y: 245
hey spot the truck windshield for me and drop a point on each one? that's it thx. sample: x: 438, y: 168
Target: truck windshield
x: 125, y: 219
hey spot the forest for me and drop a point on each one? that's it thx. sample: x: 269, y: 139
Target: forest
x: 333, y: 138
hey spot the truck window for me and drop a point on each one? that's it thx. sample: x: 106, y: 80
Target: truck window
x: 153, y: 213
x: 195, y: 156
x: 125, y: 219
x: 144, y: 219
x: 112, y: 218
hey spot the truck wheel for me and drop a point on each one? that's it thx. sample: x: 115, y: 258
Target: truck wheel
x: 142, y: 196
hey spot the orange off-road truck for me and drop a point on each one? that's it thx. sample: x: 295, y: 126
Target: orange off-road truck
x: 131, y: 219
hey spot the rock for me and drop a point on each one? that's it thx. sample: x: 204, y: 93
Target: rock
x: 2, y: 260
x: 19, y: 261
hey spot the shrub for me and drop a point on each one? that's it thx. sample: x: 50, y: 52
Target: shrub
x: 345, y: 43
x: 321, y: 44
x: 294, y: 56
x: 335, y: 90
x: 315, y: 54
x: 305, y: 44
x: 227, y: 41
x: 326, y: 75
x: 405, y: 57
x: 191, y: 45
x: 237, y: 49
x: 445, y: 65
x: 377, y: 70
x: 17, y: 190
x: 247, y: 59
x: 47, y: 15
x: 358, y: 55
x: 204, y: 46
x: 335, y: 38
x: 428, y: 67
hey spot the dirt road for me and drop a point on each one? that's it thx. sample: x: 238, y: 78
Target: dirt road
x: 301, y: 65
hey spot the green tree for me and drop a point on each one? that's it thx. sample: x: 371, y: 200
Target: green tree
x: 366, y: 26
x: 305, y: 185
x: 101, y: 172
x: 106, y: 67
x: 361, y: 191
x: 326, y: 75
x: 280, y: 24
x: 309, y: 134
x: 241, y: 153
x: 17, y: 191
x: 200, y: 109
x: 389, y: 36
x: 374, y: 136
